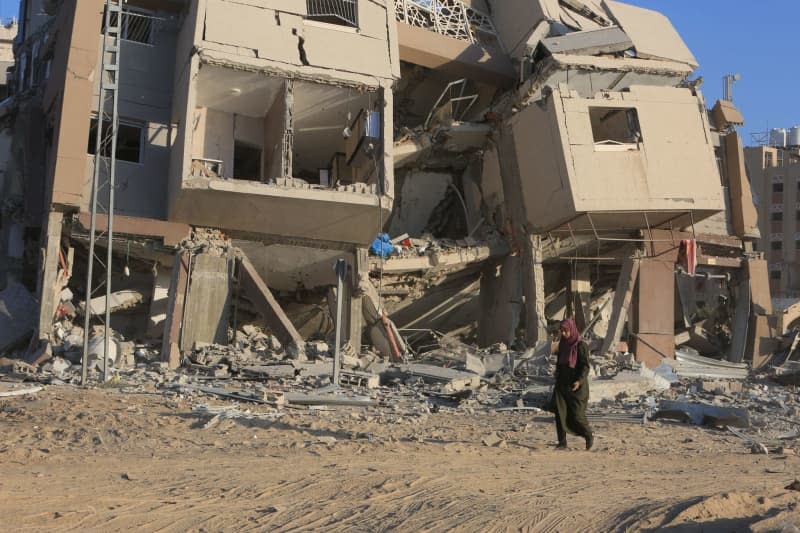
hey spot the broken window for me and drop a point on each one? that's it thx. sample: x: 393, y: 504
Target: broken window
x: 615, y: 126
x: 777, y: 216
x: 129, y: 141
x: 341, y: 12
x: 777, y: 187
x: 246, y: 161
x: 776, y: 245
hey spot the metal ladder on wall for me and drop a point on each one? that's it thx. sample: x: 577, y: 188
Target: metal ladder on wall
x: 107, y: 125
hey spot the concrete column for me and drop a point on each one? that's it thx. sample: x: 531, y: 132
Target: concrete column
x: 170, y: 349
x: 654, y: 310
x: 622, y: 299
x: 355, y: 319
x: 206, y: 316
x: 500, y: 301
x: 533, y: 289
x: 580, y: 289
x: 47, y: 291
x: 162, y: 278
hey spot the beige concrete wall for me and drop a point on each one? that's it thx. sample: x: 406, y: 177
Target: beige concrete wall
x: 457, y: 58
x: 213, y: 137
x: 187, y: 66
x: 274, y: 129
x: 215, y: 132
x: 270, y: 32
x: 674, y: 169
x: 70, y: 89
x: 540, y: 150
x: 564, y: 173
x: 333, y: 218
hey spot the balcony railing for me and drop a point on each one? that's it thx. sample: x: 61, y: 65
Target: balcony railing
x: 452, y: 18
x: 344, y: 12
x: 138, y: 27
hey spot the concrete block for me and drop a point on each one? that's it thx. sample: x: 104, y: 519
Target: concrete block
x: 60, y: 365
x: 722, y: 387
x: 118, y: 301
x: 452, y: 379
x: 207, y: 302
x: 628, y: 383
x: 127, y: 357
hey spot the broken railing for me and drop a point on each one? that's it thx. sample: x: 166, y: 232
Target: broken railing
x: 451, y: 18
x: 138, y: 27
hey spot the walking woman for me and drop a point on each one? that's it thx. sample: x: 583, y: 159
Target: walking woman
x: 571, y: 393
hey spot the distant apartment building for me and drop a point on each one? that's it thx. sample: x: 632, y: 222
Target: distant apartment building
x: 775, y: 176
x: 8, y: 32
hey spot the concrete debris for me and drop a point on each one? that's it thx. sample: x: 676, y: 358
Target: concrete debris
x: 96, y: 352
x: 689, y: 364
x: 493, y: 440
x: 8, y: 393
x: 118, y: 301
x: 451, y: 380
x: 627, y: 383
x: 702, y: 414
x: 219, y: 413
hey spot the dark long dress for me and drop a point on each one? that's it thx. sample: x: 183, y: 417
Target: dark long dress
x: 568, y: 406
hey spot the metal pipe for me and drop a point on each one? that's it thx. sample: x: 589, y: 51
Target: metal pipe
x: 111, y: 186
x: 98, y: 157
x: 341, y: 270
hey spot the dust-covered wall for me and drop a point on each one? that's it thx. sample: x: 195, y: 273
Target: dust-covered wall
x: 419, y: 194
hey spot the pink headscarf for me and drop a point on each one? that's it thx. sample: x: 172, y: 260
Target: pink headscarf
x: 568, y: 348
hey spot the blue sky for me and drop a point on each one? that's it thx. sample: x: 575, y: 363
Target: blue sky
x: 754, y: 39
x: 727, y: 36
x: 9, y: 8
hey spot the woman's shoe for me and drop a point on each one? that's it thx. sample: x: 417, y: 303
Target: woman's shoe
x: 562, y: 445
x: 589, y: 441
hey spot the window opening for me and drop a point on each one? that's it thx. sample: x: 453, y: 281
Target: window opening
x: 615, y: 126
x: 341, y: 12
x: 129, y: 141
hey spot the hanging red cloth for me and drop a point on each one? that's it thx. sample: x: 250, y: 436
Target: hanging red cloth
x: 687, y: 256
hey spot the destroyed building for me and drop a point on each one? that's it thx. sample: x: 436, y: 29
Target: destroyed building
x: 527, y: 159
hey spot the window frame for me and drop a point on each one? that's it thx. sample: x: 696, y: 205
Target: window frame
x: 141, y: 126
x: 635, y: 137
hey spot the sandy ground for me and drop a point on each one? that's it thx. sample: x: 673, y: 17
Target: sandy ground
x: 107, y: 460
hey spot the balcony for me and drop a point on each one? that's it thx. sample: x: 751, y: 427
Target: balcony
x: 282, y: 157
x: 450, y: 18
x: 454, y: 37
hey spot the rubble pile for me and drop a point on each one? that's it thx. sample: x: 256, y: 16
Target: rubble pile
x: 455, y: 377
